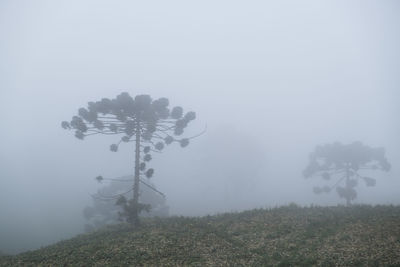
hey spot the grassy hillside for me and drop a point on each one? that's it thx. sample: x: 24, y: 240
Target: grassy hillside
x: 285, y: 236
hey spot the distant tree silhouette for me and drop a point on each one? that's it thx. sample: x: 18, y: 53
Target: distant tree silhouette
x: 148, y: 123
x: 103, y: 211
x: 343, y: 163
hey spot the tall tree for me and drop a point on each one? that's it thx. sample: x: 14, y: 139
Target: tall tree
x: 344, y: 164
x: 148, y: 123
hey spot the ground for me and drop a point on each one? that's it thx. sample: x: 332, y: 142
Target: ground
x: 284, y: 236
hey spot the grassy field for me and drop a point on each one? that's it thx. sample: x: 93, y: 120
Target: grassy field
x: 284, y: 236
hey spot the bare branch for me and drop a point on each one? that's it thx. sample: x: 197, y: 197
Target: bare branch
x: 149, y: 186
x: 106, y: 198
x: 205, y: 130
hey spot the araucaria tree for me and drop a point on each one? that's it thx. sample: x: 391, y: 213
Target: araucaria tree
x: 345, y: 164
x: 148, y: 123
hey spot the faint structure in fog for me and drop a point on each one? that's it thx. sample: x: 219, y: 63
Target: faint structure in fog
x: 103, y: 211
x: 344, y: 164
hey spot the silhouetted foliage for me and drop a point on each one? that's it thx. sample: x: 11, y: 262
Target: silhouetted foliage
x: 148, y: 123
x: 343, y: 163
x: 104, y: 210
x: 129, y: 207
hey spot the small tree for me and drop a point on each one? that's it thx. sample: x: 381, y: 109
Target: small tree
x: 148, y: 123
x: 344, y: 163
x: 104, y: 211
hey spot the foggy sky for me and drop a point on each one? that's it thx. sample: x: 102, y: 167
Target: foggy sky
x: 271, y: 80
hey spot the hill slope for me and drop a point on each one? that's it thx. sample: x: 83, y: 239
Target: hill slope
x: 359, y: 235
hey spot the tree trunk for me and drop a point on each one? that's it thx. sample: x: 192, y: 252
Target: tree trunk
x: 137, y: 177
x: 348, y: 200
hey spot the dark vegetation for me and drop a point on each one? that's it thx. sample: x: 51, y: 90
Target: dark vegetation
x: 286, y: 236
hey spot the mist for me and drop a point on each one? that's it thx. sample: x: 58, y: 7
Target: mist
x: 268, y: 80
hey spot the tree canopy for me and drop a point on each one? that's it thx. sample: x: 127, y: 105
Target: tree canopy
x: 123, y: 114
x: 345, y: 163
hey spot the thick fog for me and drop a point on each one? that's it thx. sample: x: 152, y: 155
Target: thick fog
x: 269, y: 79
